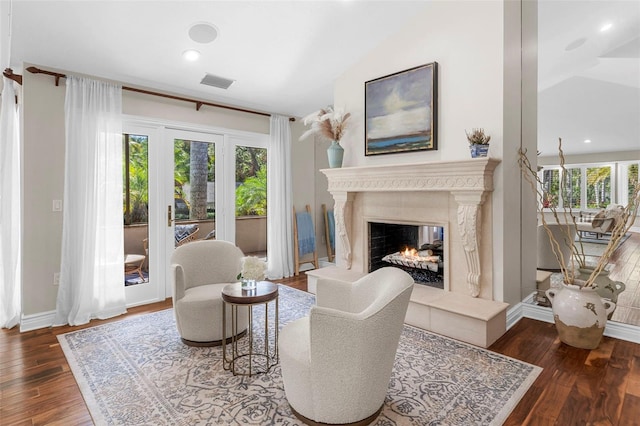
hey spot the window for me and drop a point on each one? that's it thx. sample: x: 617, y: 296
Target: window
x: 572, y: 182
x: 550, y: 187
x: 251, y: 181
x: 598, y: 187
x: 632, y: 178
x: 588, y: 186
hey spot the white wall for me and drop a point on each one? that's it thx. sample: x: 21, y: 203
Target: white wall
x: 43, y: 171
x: 479, y: 86
x: 470, y: 62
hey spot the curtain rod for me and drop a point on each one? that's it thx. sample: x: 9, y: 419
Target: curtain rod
x: 198, y: 103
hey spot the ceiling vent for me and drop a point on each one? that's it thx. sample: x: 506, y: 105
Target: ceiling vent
x: 216, y: 81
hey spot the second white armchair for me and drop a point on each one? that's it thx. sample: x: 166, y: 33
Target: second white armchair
x: 337, y: 362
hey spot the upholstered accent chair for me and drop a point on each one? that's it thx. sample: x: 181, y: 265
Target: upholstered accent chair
x: 200, y: 270
x: 336, y: 363
x: 564, y: 234
x: 599, y: 223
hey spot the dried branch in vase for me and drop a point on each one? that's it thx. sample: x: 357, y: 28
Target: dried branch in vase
x: 568, y: 267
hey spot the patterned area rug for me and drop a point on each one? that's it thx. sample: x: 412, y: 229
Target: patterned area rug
x: 137, y: 372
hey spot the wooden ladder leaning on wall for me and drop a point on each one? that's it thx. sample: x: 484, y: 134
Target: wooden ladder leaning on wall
x: 299, y: 259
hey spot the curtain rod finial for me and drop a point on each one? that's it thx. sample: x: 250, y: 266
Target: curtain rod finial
x: 8, y: 72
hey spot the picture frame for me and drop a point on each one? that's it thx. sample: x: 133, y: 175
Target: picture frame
x: 401, y: 111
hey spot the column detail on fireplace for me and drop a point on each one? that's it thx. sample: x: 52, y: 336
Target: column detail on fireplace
x: 468, y: 223
x: 342, y: 213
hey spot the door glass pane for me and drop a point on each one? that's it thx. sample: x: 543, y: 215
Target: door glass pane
x: 251, y: 200
x: 136, y: 208
x: 598, y: 187
x: 194, y: 190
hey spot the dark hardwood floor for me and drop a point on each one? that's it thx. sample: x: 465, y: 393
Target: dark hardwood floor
x: 576, y: 387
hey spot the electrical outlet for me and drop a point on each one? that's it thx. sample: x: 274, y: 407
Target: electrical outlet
x: 56, y: 278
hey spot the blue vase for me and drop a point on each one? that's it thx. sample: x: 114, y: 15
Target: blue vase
x: 335, y: 152
x: 479, y: 150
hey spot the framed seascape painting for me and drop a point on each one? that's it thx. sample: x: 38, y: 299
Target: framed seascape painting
x: 401, y: 111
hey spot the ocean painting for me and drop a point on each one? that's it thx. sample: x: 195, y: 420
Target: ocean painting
x: 400, y: 111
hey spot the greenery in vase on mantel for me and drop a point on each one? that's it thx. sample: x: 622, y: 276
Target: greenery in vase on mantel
x: 478, y: 142
x: 330, y: 124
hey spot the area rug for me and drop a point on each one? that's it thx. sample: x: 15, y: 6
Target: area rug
x: 137, y: 372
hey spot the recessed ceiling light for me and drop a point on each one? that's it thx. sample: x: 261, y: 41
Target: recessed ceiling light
x: 587, y: 141
x: 606, y: 27
x: 203, y: 32
x: 191, y: 55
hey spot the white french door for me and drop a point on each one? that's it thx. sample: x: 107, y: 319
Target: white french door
x: 193, y: 195
x: 192, y: 178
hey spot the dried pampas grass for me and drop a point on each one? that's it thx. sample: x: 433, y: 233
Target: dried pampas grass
x: 328, y: 122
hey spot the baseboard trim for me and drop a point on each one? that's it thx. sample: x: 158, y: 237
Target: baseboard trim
x: 37, y: 321
x: 622, y: 331
x: 514, y: 314
x: 614, y: 329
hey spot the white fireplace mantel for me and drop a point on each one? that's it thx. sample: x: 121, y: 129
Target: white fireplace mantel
x: 469, y: 181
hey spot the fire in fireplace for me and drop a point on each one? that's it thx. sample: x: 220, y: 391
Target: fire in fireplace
x: 416, y: 249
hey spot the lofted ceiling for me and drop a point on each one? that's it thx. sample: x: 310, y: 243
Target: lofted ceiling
x: 285, y: 55
x: 588, y: 79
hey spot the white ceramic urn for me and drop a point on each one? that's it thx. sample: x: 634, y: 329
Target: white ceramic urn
x: 580, y: 314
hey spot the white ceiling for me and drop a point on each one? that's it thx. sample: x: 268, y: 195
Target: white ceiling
x: 285, y: 55
x: 588, y: 80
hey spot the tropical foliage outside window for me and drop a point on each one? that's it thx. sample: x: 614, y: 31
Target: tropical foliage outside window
x: 598, y: 187
x: 194, y: 180
x: 551, y: 187
x: 251, y: 181
x: 572, y: 188
x: 136, y: 179
x: 632, y: 178
x: 589, y: 186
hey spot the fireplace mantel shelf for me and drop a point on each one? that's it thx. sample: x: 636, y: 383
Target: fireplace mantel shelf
x: 467, y: 180
x: 463, y: 175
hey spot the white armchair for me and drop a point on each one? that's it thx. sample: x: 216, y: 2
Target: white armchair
x: 200, y: 270
x: 336, y: 363
x: 564, y: 234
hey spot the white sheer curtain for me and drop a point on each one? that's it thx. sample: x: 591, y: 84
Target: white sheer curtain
x: 91, y: 269
x: 279, y: 200
x: 9, y: 208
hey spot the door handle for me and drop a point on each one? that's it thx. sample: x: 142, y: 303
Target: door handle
x: 169, y: 220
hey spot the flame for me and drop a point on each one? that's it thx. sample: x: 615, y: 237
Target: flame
x: 409, y: 252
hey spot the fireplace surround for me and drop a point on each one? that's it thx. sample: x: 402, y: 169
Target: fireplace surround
x: 455, y: 195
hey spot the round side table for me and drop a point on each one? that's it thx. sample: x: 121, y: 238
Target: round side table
x: 237, y: 297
